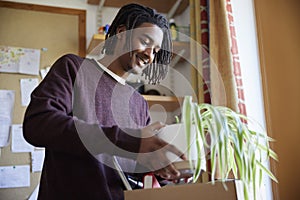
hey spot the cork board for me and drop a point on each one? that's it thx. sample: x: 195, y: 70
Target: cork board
x: 60, y: 31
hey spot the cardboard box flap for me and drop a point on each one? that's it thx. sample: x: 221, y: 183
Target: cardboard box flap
x: 195, y: 191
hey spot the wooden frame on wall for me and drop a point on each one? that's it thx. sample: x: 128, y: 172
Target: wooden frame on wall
x: 68, y: 11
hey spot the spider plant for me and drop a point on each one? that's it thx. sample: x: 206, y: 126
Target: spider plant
x: 232, y: 146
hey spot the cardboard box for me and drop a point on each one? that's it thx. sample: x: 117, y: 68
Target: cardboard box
x: 195, y: 191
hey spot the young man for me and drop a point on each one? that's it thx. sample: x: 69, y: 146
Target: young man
x: 83, y: 113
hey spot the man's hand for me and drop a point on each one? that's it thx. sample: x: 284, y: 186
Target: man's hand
x: 153, y: 150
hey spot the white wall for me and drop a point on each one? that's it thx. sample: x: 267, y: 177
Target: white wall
x: 184, y: 18
x: 248, y: 52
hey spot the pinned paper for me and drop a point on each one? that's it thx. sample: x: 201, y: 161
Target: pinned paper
x: 4, y: 130
x: 7, y: 99
x: 37, y: 160
x: 27, y: 86
x: 14, y: 176
x: 19, y: 60
x: 34, y: 194
x: 44, y: 72
x: 19, y: 144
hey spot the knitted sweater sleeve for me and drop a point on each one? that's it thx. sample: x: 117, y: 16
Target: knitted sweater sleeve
x: 49, y: 120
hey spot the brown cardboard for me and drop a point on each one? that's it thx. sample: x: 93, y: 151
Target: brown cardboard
x: 195, y: 191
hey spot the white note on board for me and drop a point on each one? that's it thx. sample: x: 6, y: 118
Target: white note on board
x: 7, y: 99
x: 14, y: 176
x: 34, y: 194
x: 30, y: 62
x: 27, y: 86
x: 19, y: 60
x: 18, y: 143
x: 37, y: 160
x: 44, y: 72
x: 4, y: 130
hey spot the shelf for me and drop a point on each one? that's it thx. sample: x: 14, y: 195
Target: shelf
x: 94, y: 46
x: 170, y: 103
x: 161, y: 6
x: 179, y: 46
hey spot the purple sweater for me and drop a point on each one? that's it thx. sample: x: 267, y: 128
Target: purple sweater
x: 79, y: 114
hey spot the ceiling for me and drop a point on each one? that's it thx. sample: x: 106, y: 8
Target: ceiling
x: 162, y: 6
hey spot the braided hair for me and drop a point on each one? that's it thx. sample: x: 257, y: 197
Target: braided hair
x: 132, y: 16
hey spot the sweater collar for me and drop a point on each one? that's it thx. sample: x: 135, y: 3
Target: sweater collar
x: 112, y: 74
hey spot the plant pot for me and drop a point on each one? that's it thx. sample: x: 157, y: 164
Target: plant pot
x: 175, y: 134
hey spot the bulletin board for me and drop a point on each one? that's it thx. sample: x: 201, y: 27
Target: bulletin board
x: 55, y: 31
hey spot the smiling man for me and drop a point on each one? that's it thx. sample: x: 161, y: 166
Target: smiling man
x: 146, y: 44
x: 84, y: 113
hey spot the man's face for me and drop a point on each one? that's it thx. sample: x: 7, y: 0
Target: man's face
x: 146, y: 42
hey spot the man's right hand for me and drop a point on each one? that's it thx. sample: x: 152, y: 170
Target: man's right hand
x: 152, y: 153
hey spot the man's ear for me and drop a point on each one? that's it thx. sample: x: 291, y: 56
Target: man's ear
x: 120, y: 29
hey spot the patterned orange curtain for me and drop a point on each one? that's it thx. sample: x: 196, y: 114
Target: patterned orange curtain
x: 225, y: 73
x: 236, y: 61
x: 217, y: 74
x: 200, y: 49
x: 200, y: 56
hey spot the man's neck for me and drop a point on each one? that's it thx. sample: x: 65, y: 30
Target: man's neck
x: 113, y: 65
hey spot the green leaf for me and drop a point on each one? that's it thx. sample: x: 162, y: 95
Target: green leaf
x: 270, y: 174
x: 232, y: 145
